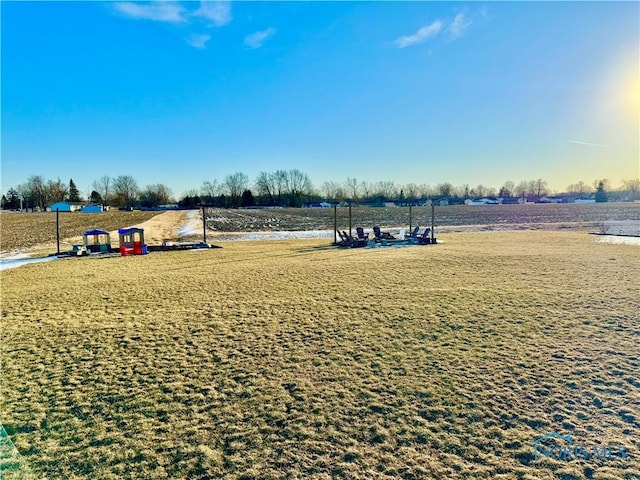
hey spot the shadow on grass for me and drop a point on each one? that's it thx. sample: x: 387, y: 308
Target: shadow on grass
x: 12, y: 465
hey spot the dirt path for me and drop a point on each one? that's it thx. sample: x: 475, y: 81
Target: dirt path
x: 170, y: 226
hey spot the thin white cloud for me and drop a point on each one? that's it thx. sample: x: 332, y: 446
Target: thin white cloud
x: 589, y: 144
x: 158, y: 11
x: 198, y: 41
x: 218, y: 12
x: 459, y: 24
x: 257, y: 39
x: 420, y: 36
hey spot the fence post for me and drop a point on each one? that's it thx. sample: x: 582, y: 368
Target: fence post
x: 410, y: 219
x: 335, y: 223
x: 204, y: 226
x: 58, y: 229
x: 433, y: 213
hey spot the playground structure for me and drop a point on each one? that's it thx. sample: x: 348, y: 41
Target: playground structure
x: 377, y: 237
x: 97, y: 241
x: 93, y: 241
x: 132, y: 241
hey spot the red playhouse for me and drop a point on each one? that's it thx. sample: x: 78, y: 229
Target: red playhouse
x: 132, y: 241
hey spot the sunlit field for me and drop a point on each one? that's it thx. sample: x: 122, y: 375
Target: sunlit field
x: 293, y: 359
x: 35, y: 230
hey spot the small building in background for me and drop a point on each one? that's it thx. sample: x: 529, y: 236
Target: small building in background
x: 92, y: 208
x: 510, y: 200
x: 65, y: 207
x: 482, y: 201
x: 550, y: 199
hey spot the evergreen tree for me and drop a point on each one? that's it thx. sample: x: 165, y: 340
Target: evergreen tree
x: 74, y: 194
x: 247, y: 199
x: 601, y: 194
x: 95, y: 197
x: 12, y: 200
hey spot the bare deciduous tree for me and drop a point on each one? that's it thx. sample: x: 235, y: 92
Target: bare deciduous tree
x: 385, y: 189
x: 522, y: 188
x: 279, y: 184
x: 352, y: 188
x: 236, y: 183
x: 35, y: 192
x: 104, y: 187
x: 480, y: 190
x: 154, y: 195
x: 56, y: 191
x: 579, y: 188
x: 366, y: 189
x: 508, y: 189
x: 333, y: 191
x: 125, y: 190
x: 411, y: 191
x: 265, y: 186
x: 463, y: 191
x: 539, y: 188
x: 38, y: 192
x: 632, y: 188
x: 426, y: 191
x: 210, y: 190
x: 444, y: 189
x: 298, y: 184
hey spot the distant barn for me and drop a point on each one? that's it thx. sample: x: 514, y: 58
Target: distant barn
x: 75, y: 207
x: 65, y: 207
x: 317, y: 205
x: 92, y: 208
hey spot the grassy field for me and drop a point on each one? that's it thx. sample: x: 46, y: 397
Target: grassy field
x: 291, y: 359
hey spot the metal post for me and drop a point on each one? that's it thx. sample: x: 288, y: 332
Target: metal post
x: 410, y: 219
x: 204, y: 227
x: 350, y: 234
x: 58, y: 229
x: 335, y: 223
x: 433, y: 214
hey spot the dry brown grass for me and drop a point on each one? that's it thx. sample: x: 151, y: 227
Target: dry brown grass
x: 296, y: 360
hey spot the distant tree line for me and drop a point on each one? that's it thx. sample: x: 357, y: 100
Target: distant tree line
x: 290, y: 188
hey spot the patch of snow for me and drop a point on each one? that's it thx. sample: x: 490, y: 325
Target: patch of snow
x: 18, y: 262
x: 619, y: 240
x: 192, y: 226
x: 282, y: 235
x: 15, y: 256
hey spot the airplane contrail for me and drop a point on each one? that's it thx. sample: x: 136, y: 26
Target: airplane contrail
x: 586, y: 143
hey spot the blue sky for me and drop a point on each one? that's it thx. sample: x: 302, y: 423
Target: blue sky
x: 423, y: 92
